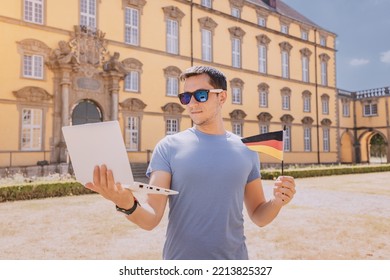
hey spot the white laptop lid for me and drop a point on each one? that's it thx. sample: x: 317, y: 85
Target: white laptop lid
x: 96, y: 144
x: 100, y: 143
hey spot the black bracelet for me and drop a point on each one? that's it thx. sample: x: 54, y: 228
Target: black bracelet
x: 128, y: 211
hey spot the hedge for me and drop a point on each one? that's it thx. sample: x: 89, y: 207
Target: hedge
x: 67, y: 188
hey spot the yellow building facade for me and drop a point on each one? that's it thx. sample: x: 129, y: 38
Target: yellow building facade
x: 79, y: 61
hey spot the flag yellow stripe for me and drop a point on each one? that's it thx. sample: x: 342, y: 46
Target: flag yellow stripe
x: 267, y: 150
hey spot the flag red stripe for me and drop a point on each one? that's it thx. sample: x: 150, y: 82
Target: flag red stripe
x: 271, y: 143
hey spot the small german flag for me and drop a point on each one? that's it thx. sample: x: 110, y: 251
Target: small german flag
x: 268, y: 143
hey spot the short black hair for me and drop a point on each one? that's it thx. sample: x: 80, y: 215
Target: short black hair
x: 217, y: 78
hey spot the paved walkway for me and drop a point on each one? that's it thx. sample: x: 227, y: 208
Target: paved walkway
x: 337, y: 217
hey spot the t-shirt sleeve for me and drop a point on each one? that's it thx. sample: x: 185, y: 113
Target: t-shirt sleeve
x: 160, y: 158
x: 255, y: 172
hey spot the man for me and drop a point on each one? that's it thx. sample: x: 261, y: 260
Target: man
x: 214, y: 173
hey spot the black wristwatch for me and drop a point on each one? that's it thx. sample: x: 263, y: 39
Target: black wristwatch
x: 128, y: 211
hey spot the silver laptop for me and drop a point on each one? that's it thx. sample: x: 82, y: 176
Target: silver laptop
x: 102, y: 143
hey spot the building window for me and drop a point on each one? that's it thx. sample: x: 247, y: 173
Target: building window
x: 236, y: 95
x: 132, y: 26
x: 264, y: 128
x: 207, y: 3
x: 262, y: 59
x: 172, y: 126
x: 285, y: 64
x: 206, y: 45
x: 263, y: 97
x: 132, y: 134
x: 287, y: 139
x: 305, y: 69
x: 304, y: 35
x: 325, y: 136
x: 370, y: 109
x: 236, y: 52
x: 323, y: 41
x: 324, y: 58
x: 237, y: 128
x: 307, y: 139
x: 236, y: 12
x: 172, y: 86
x: 33, y: 11
x: 31, y: 135
x: 88, y: 13
x: 325, y: 104
x: 261, y: 21
x: 33, y: 66
x: 172, y: 36
x: 132, y: 81
x: 284, y: 28
x: 286, y: 94
x: 346, y: 109
x: 306, y: 96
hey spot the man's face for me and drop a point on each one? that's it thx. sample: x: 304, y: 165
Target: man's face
x: 203, y: 113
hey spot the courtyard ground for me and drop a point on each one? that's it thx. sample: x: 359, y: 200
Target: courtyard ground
x: 345, y: 217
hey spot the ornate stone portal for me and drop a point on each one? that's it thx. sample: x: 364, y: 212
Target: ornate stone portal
x: 83, y: 70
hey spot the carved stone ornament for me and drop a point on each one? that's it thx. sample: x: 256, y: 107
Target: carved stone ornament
x: 172, y: 108
x: 236, y: 31
x: 264, y: 117
x: 287, y: 118
x: 285, y: 46
x: 305, y: 52
x: 326, y: 122
x: 139, y: 4
x: 263, y: 39
x: 133, y: 105
x: 307, y: 120
x: 236, y: 82
x: 324, y: 57
x: 172, y: 71
x: 33, y: 46
x: 237, y: 115
x: 263, y: 87
x: 114, y: 65
x: 32, y: 94
x: 285, y: 91
x: 173, y: 12
x: 132, y: 64
x: 207, y: 23
x: 237, y: 3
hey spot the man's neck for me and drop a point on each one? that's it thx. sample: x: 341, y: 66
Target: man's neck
x: 212, y: 130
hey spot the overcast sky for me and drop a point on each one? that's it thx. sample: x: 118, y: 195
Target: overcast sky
x: 363, y: 38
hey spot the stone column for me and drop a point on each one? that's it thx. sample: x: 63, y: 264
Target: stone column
x: 64, y: 85
x: 114, y: 92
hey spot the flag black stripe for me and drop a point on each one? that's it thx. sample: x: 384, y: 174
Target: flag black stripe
x: 277, y: 135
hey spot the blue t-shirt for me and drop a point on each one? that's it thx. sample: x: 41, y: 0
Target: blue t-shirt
x: 210, y: 173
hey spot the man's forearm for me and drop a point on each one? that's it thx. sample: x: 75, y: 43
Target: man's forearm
x: 266, y: 213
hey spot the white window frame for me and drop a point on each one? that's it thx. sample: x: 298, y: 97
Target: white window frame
x: 323, y: 41
x: 263, y: 98
x: 207, y: 47
x: 33, y: 66
x: 326, y: 136
x: 132, y: 81
x: 237, y: 128
x: 370, y: 109
x: 286, y: 102
x: 325, y: 106
x: 287, y: 139
x: 31, y: 130
x: 132, y: 26
x: 236, y: 52
x: 172, y: 86
x: 236, y: 12
x: 304, y: 35
x: 207, y: 3
x: 132, y: 133
x: 305, y: 69
x: 261, y: 21
x: 88, y: 12
x: 262, y: 52
x: 284, y: 28
x: 306, y: 103
x: 236, y: 95
x: 324, y: 73
x: 346, y: 109
x: 307, y: 139
x: 285, y: 65
x: 172, y: 36
x: 33, y: 11
x: 264, y: 128
x: 171, y: 126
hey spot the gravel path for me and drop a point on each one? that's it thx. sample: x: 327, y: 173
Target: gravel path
x: 336, y: 217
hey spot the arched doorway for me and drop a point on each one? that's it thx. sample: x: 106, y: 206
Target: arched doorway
x: 346, y: 153
x: 86, y: 111
x: 378, y: 148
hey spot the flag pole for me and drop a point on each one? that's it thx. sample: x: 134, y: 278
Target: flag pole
x: 284, y: 130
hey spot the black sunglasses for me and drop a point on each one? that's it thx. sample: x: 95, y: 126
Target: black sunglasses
x: 200, y: 95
